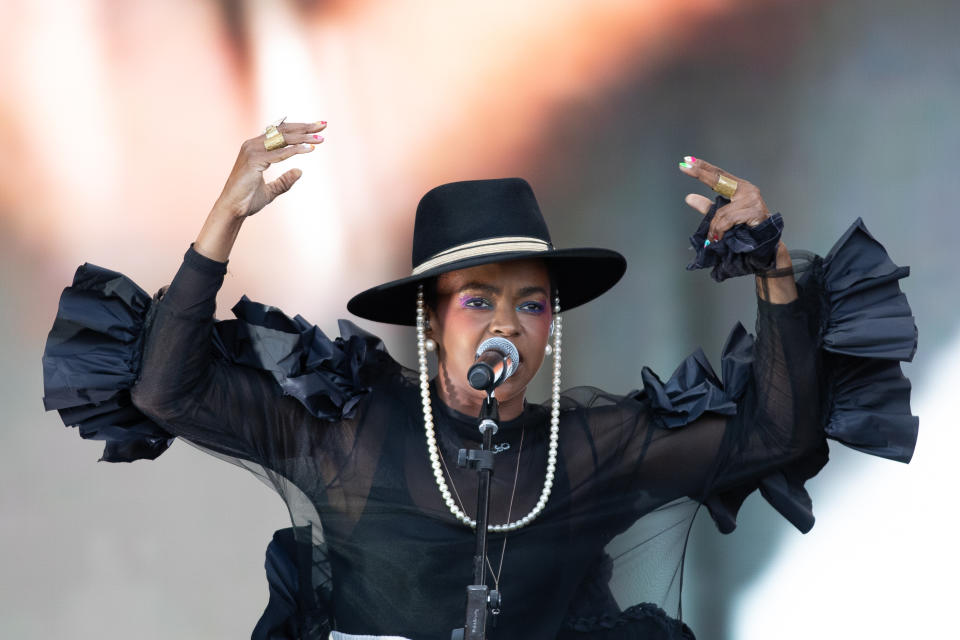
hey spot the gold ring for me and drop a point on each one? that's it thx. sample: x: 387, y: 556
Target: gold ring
x: 725, y: 186
x: 274, y: 139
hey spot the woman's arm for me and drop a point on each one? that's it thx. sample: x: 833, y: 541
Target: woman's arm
x: 182, y: 385
x: 777, y: 410
x: 776, y: 419
x: 778, y: 286
x: 192, y: 393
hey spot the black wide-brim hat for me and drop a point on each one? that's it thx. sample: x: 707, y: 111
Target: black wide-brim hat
x: 465, y: 224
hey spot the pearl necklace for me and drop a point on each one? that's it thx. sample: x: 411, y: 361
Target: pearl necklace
x: 432, y: 438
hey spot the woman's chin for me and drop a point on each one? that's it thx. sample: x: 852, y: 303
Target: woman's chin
x: 515, y: 384
x: 525, y: 371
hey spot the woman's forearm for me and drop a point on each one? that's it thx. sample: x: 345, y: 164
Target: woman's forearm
x: 184, y: 387
x: 177, y: 356
x: 219, y: 232
x: 778, y: 289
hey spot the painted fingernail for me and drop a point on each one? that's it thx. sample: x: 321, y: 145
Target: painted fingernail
x: 316, y: 137
x: 690, y: 159
x: 706, y: 243
x: 686, y: 165
x: 716, y: 238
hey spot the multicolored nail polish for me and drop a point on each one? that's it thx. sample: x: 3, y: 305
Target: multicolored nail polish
x: 686, y: 165
x: 706, y: 243
x: 716, y: 238
x: 690, y: 159
x: 317, y: 137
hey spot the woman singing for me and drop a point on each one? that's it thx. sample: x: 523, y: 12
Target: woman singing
x: 594, y: 492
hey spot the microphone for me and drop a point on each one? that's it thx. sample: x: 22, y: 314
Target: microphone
x: 497, y: 359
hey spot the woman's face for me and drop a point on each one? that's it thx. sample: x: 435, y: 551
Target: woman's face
x: 508, y: 300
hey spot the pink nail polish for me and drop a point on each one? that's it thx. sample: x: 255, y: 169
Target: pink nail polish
x: 316, y: 137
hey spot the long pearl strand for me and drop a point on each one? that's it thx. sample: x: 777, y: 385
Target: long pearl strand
x: 432, y: 439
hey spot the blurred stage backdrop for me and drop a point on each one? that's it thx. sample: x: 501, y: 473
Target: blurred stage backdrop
x: 120, y: 121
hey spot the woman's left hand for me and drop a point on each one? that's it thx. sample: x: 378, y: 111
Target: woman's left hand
x: 746, y: 205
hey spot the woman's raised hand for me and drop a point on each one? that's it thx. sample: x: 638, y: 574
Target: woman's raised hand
x: 746, y: 204
x: 246, y: 192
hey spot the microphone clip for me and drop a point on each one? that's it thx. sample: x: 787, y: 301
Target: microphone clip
x: 475, y: 459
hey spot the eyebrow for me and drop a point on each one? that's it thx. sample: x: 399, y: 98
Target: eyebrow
x: 489, y: 288
x: 481, y: 286
x: 529, y: 291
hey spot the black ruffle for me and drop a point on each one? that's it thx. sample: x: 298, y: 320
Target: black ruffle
x: 92, y: 359
x: 866, y: 328
x: 694, y: 388
x: 328, y: 377
x: 741, y: 251
x: 93, y: 354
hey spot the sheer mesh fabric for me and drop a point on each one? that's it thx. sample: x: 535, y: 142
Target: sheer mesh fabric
x: 378, y: 551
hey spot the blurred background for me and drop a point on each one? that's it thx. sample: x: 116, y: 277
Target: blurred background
x: 120, y: 121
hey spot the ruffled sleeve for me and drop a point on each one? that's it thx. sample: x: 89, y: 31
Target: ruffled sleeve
x: 694, y: 389
x: 328, y: 377
x: 92, y: 359
x: 109, y: 336
x: 866, y: 329
x: 863, y: 328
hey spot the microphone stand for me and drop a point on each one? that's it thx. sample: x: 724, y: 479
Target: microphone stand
x: 481, y: 600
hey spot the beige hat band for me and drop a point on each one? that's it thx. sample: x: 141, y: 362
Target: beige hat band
x: 488, y: 246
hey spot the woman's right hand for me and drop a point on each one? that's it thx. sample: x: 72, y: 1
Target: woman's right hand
x: 246, y: 192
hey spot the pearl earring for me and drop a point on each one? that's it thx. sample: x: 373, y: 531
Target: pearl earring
x: 553, y: 327
x: 430, y: 345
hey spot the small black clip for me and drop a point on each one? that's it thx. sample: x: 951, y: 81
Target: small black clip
x: 493, y: 601
x: 475, y: 459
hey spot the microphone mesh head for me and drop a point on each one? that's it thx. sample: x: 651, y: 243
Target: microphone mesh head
x: 505, y: 347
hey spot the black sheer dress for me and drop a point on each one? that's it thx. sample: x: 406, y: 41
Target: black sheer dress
x: 335, y: 426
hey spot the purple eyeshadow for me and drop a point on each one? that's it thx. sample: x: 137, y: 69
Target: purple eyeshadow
x: 465, y: 300
x: 529, y: 306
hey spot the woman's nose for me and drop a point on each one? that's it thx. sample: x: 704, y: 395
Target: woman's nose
x: 505, y: 321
